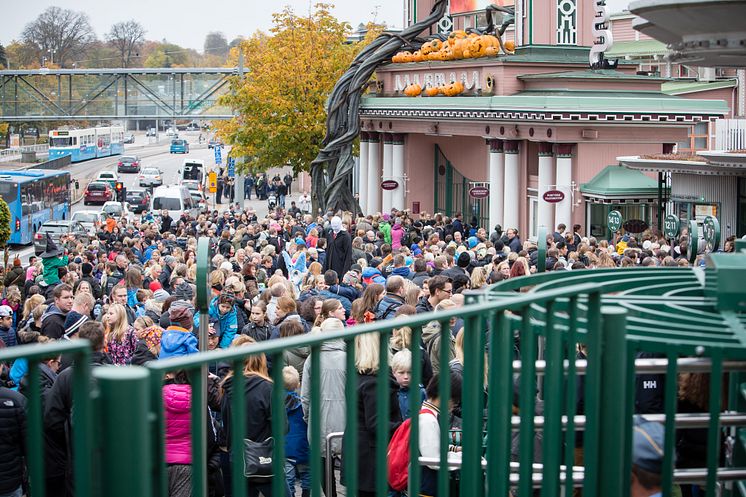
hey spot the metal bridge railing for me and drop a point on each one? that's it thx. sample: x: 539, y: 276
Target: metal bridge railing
x: 129, y: 439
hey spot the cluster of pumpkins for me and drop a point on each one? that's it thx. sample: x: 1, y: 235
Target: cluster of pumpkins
x: 459, y: 45
x: 450, y: 90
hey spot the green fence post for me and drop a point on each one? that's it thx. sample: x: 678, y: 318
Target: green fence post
x: 541, y: 244
x: 124, y: 416
x: 199, y: 470
x: 612, y: 426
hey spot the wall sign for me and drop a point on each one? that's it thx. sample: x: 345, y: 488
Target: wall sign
x: 479, y: 192
x: 671, y: 226
x: 389, y: 185
x: 614, y: 220
x: 553, y: 196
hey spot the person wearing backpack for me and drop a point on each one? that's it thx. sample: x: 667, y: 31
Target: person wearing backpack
x: 429, y: 442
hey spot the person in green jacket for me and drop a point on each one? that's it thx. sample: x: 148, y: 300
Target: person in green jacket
x: 52, y: 259
x: 385, y: 228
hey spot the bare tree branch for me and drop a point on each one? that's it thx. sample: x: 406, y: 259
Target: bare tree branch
x: 60, y: 34
x: 126, y: 37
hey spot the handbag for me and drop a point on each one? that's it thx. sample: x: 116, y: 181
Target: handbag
x: 257, y: 458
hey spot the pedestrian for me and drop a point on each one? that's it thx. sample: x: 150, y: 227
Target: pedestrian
x: 296, y: 441
x: 339, y: 243
x: 288, y: 180
x: 248, y: 186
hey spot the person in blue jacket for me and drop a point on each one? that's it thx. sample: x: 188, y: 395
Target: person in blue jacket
x: 296, y: 442
x: 223, y: 312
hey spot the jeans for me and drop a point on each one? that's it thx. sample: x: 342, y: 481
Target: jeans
x: 304, y: 475
x: 15, y: 493
x: 282, y: 201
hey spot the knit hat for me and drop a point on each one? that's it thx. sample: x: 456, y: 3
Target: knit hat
x: 152, y: 336
x: 463, y: 260
x: 473, y: 241
x: 155, y: 286
x: 181, y: 312
x: 351, y: 278
x: 647, y: 445
x: 386, y: 217
x: 160, y: 295
x: 184, y: 292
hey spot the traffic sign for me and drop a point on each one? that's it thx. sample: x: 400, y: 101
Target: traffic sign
x: 212, y: 180
x: 614, y: 220
x: 711, y: 232
x: 671, y: 226
x: 218, y: 155
x: 231, y: 167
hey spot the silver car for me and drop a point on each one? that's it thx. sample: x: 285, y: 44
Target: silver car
x: 150, y: 176
x: 57, y: 230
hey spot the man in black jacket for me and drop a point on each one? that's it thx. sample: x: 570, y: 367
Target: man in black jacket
x: 169, y: 263
x: 339, y: 248
x: 58, y: 417
x: 53, y: 320
x: 12, y: 441
x: 394, y: 298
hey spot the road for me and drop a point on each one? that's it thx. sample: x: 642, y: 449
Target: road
x: 155, y: 154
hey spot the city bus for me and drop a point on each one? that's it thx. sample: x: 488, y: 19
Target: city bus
x: 87, y: 143
x: 34, y: 196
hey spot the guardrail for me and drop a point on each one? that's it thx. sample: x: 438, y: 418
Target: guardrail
x: 130, y: 406
x: 9, y: 154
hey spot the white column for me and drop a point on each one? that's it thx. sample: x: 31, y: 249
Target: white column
x: 398, y: 197
x: 512, y: 185
x: 563, y: 210
x: 496, y: 175
x: 374, y: 173
x: 388, y: 170
x: 546, y: 181
x: 362, y: 187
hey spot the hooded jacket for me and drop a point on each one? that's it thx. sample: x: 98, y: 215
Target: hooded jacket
x: 53, y: 322
x: 12, y: 439
x: 432, y: 340
x: 296, y: 441
x: 397, y: 235
x: 388, y: 305
x: 177, y: 403
x: 228, y: 323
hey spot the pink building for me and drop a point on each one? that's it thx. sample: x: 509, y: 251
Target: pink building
x: 535, y: 128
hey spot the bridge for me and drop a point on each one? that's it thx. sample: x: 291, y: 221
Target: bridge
x: 110, y: 94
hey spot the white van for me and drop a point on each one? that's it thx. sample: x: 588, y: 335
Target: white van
x: 175, y: 199
x: 193, y: 170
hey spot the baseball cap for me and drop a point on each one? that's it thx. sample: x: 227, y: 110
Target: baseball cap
x: 647, y: 444
x: 5, y: 311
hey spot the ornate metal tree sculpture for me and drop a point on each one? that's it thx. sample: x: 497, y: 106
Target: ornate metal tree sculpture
x: 331, y: 171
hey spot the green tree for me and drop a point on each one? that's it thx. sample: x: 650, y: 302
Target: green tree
x: 3, y: 57
x: 280, y: 103
x: 216, y: 44
x: 5, y: 221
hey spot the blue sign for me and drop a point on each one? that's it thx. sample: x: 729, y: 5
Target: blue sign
x: 231, y: 167
x: 218, y: 155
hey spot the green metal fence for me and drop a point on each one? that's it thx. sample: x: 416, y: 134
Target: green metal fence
x: 614, y: 313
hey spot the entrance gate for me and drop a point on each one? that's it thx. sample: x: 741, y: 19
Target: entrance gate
x: 452, y: 193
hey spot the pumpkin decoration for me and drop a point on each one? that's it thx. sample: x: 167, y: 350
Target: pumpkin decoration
x: 413, y: 90
x: 459, y: 34
x: 477, y: 47
x: 417, y: 56
x: 509, y: 46
x: 407, y: 57
x: 432, y: 91
x: 491, y: 51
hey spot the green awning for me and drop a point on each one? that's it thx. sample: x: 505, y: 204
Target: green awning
x: 637, y: 48
x: 620, y: 181
x: 688, y: 86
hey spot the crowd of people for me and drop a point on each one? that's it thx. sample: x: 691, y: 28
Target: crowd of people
x: 131, y: 293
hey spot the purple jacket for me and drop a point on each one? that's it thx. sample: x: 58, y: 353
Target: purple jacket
x: 397, y: 233
x: 177, y: 401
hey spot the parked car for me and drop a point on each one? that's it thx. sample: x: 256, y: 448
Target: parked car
x: 138, y: 201
x: 179, y: 146
x: 90, y: 220
x: 214, y: 142
x: 192, y: 127
x: 128, y: 164
x: 56, y: 230
x: 130, y: 138
x: 116, y: 209
x: 150, y: 176
x: 109, y: 177
x: 98, y: 192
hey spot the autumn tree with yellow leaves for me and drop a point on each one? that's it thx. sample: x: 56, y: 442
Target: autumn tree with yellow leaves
x: 280, y: 102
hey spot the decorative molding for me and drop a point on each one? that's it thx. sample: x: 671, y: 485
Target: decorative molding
x: 564, y: 150
x: 545, y: 149
x: 537, y: 116
x: 374, y: 137
x: 397, y: 138
x: 364, y: 136
x: 496, y: 146
x: 511, y: 146
x: 567, y: 22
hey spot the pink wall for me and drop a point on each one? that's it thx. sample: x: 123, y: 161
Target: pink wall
x: 729, y: 95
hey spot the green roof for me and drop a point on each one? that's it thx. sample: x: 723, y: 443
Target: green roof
x: 617, y: 181
x: 683, y: 87
x: 555, y: 101
x: 599, y: 74
x: 637, y: 48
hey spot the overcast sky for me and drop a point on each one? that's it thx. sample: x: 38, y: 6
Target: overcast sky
x: 186, y: 22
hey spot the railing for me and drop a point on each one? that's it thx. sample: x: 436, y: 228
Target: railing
x: 548, y: 323
x: 15, y: 153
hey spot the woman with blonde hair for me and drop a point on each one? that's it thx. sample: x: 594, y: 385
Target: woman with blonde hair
x: 257, y: 396
x: 313, y: 270
x: 31, y: 303
x: 119, y: 337
x: 478, y: 278
x: 367, y: 362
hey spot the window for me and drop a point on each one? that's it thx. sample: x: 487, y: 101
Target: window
x: 168, y: 203
x: 9, y: 191
x: 61, y: 142
x: 699, y: 139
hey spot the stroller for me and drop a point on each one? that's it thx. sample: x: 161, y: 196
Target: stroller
x: 272, y: 200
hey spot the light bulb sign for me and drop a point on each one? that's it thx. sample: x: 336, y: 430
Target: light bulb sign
x: 614, y: 221
x: 671, y: 226
x: 711, y: 232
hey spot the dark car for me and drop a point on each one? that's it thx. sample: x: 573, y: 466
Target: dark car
x: 139, y: 200
x: 128, y: 164
x: 130, y: 138
x: 56, y: 230
x: 98, y: 192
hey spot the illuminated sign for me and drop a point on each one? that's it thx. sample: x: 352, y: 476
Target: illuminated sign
x: 462, y: 6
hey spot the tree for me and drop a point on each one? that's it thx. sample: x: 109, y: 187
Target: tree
x: 3, y: 57
x: 280, y: 103
x: 5, y: 220
x: 216, y: 44
x: 126, y: 37
x: 60, y: 34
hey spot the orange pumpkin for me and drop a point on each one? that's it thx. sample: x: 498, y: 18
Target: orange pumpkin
x: 491, y: 41
x: 413, y: 90
x: 436, y: 45
x: 509, y: 46
x: 459, y: 34
x: 477, y: 47
x: 459, y: 47
x: 407, y: 57
x: 491, y: 51
x: 417, y: 56
x: 432, y: 91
